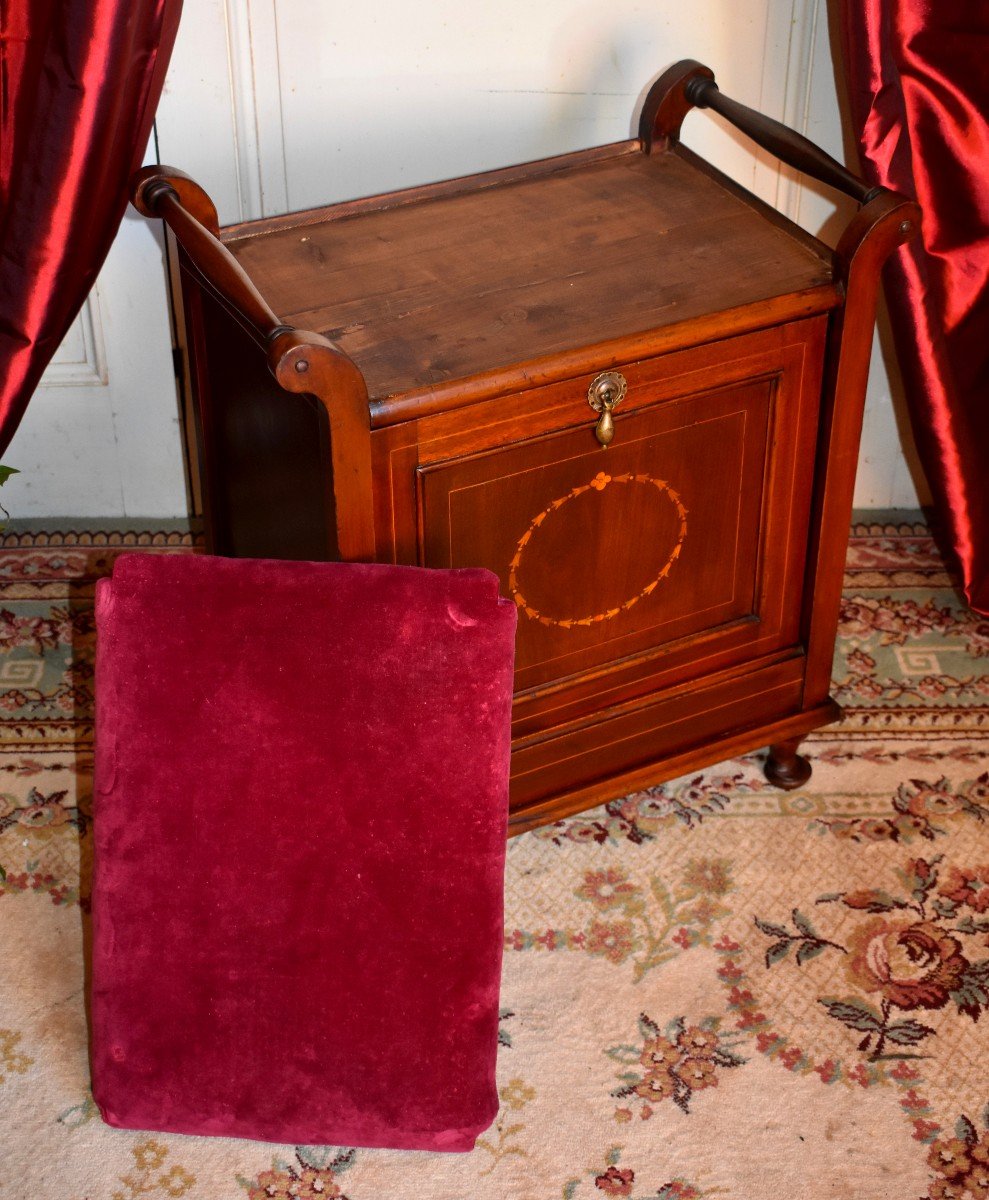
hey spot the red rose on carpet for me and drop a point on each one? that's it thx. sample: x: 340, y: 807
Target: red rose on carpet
x: 913, y: 964
x: 968, y: 886
x: 615, y: 1183
x: 927, y: 799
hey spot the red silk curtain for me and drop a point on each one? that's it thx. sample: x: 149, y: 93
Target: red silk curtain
x: 918, y: 82
x: 79, y: 82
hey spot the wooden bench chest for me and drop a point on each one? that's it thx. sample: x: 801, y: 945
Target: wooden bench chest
x: 615, y: 378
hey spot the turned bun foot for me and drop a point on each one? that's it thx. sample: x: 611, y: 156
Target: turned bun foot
x: 785, y: 768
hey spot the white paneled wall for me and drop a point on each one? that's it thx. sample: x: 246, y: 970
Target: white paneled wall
x: 101, y: 436
x: 311, y: 102
x: 283, y: 104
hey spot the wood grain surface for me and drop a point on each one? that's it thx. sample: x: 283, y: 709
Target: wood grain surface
x: 449, y: 286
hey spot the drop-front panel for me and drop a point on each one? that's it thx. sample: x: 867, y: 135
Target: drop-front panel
x: 670, y: 557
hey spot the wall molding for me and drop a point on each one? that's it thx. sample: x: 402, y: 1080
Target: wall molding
x: 797, y: 97
x: 256, y: 100
x: 80, y: 360
x: 785, y: 93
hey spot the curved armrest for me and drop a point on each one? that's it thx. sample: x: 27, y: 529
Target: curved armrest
x: 300, y: 360
x: 296, y: 357
x: 690, y: 84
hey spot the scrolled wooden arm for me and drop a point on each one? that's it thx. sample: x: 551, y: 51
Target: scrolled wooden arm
x: 690, y: 84
x: 299, y: 359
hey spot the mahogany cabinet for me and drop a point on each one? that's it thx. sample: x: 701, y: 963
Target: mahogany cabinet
x: 615, y: 378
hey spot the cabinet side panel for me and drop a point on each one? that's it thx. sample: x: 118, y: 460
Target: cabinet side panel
x: 264, y: 452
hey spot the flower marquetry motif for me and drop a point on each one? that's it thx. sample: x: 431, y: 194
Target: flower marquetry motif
x: 599, y: 483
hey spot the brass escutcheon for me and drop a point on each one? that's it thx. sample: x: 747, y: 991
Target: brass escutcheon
x: 606, y: 393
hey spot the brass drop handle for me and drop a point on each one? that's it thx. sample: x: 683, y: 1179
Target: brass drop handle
x: 605, y: 394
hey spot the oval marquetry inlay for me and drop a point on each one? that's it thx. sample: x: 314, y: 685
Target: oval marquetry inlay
x: 599, y: 483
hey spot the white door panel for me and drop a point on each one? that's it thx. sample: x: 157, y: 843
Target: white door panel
x: 101, y: 435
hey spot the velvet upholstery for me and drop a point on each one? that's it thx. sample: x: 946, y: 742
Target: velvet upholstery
x: 300, y: 820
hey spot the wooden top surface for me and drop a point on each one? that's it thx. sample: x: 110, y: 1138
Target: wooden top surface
x: 442, y: 284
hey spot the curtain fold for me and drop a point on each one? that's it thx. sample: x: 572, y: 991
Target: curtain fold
x: 918, y: 84
x: 79, y: 83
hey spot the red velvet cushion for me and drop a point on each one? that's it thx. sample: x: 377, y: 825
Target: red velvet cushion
x: 301, y: 802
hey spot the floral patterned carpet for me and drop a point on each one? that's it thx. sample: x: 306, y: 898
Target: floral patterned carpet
x: 711, y: 988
